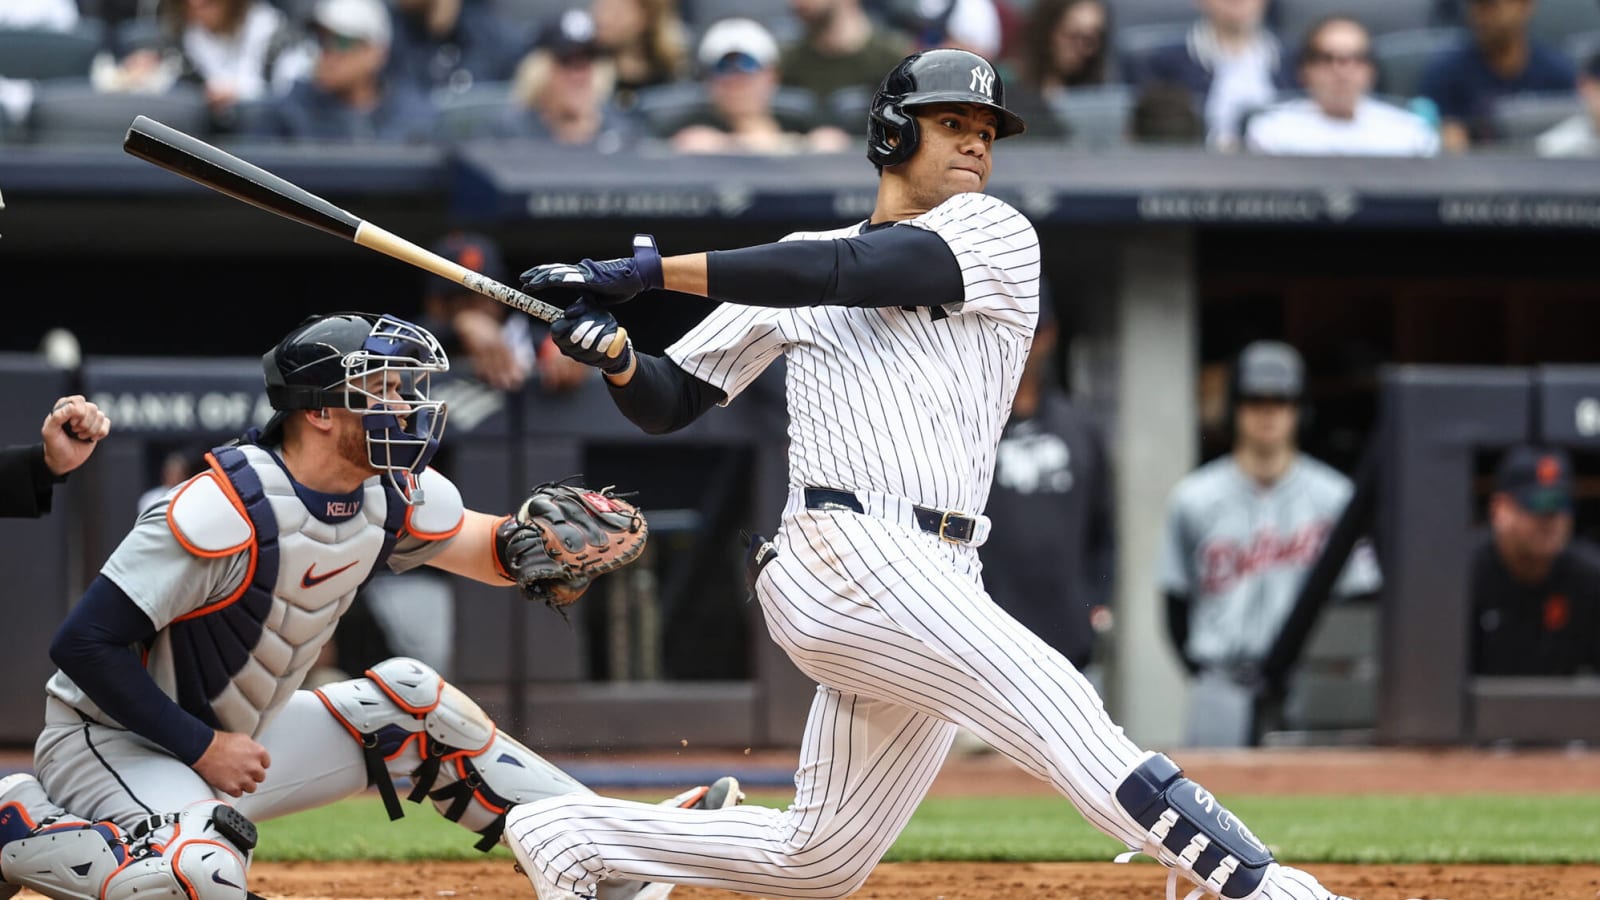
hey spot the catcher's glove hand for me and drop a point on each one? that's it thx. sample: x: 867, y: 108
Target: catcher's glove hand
x: 563, y: 536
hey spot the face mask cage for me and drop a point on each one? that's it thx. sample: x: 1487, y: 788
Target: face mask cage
x: 387, y: 382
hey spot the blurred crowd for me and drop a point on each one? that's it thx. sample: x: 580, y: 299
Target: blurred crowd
x: 1310, y: 77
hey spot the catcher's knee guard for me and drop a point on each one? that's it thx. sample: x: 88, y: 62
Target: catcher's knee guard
x: 67, y: 858
x: 411, y: 722
x: 1190, y: 832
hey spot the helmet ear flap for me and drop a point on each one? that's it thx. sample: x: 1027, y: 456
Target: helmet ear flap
x: 891, y: 120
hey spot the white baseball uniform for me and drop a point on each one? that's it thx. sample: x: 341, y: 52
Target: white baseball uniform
x: 893, y: 408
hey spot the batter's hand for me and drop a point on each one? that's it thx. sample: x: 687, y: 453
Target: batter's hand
x: 234, y: 763
x: 608, y: 282
x: 590, y: 335
x: 71, y: 431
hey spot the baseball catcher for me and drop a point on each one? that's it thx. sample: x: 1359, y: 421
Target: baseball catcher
x: 177, y: 719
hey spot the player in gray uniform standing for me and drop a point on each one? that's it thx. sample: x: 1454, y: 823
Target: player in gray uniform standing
x: 904, y: 338
x: 1242, y: 533
x: 181, y: 665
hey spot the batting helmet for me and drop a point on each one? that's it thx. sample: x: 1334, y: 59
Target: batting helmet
x: 350, y: 361
x: 927, y: 77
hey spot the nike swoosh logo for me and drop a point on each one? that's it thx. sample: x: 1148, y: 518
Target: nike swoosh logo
x: 217, y: 877
x: 310, y: 579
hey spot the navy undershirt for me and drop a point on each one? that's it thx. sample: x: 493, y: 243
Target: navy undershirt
x: 98, y: 647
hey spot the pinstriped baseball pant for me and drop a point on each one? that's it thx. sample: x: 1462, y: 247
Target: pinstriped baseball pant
x: 895, y: 626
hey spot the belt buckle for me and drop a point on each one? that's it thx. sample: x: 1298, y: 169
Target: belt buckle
x: 944, y: 522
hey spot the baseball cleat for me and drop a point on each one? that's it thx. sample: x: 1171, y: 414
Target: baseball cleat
x: 720, y: 794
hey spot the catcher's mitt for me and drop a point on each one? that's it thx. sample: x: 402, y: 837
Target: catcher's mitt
x: 563, y: 536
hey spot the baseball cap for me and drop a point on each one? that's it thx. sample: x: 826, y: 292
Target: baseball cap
x: 1539, y: 479
x: 473, y: 250
x: 738, y: 36
x: 1270, y: 369
x: 570, y: 34
x: 363, y: 20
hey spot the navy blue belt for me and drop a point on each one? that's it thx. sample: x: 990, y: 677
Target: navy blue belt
x: 949, y: 526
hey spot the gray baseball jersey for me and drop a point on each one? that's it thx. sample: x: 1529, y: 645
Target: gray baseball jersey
x: 1240, y: 552
x: 244, y: 584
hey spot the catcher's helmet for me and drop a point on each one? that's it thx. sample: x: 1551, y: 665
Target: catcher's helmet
x: 349, y: 361
x: 926, y: 77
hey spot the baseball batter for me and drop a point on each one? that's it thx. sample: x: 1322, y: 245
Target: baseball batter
x: 181, y: 665
x: 904, y: 338
x: 1242, y: 533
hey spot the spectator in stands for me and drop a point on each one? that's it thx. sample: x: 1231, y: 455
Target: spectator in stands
x: 45, y: 15
x: 1229, y: 61
x: 840, y: 48
x: 1067, y: 44
x: 1243, y: 532
x: 972, y: 25
x: 1166, y: 113
x: 739, y: 58
x: 646, y: 41
x: 1580, y: 134
x: 1499, y: 59
x: 562, y: 91
x: 1535, y: 587
x: 1049, y: 560
x: 347, y: 97
x: 1338, y: 116
x: 450, y: 45
x: 237, y: 50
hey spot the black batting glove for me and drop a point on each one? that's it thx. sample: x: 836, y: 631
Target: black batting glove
x: 607, y: 282
x: 588, y: 334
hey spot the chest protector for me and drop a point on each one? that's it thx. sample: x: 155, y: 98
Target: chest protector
x: 234, y: 662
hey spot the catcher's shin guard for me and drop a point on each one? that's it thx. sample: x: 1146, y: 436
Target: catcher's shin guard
x: 1191, y: 833
x: 411, y: 722
x: 67, y: 858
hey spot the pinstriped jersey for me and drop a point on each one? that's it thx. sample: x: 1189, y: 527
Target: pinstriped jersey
x: 902, y: 401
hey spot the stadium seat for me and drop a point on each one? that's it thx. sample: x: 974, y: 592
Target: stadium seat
x: 1096, y: 117
x: 74, y: 112
x: 1581, y: 47
x: 39, y: 54
x: 1556, y: 20
x: 775, y: 14
x: 1139, y: 13
x: 1132, y: 46
x: 1379, y: 16
x: 1523, y: 117
x: 471, y: 113
x: 1402, y: 56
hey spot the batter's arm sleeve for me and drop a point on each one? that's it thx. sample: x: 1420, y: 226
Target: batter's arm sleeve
x: 95, y: 648
x: 661, y: 397
x: 887, y: 267
x: 25, y: 482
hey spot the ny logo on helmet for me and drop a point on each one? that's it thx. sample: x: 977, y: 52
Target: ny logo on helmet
x: 982, y: 80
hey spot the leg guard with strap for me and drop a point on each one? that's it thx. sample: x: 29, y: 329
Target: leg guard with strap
x: 67, y: 858
x: 1191, y: 833
x: 410, y: 722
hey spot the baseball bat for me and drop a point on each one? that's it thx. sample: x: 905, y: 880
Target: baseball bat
x: 221, y: 171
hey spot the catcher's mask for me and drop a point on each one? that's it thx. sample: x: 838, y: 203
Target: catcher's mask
x: 922, y: 79
x: 377, y: 366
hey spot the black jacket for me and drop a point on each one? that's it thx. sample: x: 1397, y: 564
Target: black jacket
x: 25, y: 482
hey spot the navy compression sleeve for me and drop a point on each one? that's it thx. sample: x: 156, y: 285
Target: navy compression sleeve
x: 898, y: 266
x: 95, y: 647
x: 660, y: 397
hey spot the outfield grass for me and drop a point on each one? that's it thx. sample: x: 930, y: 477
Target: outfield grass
x: 1366, y: 829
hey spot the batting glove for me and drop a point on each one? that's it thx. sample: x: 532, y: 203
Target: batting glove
x: 587, y: 334
x: 608, y: 282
